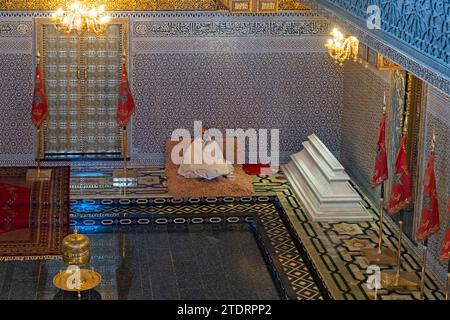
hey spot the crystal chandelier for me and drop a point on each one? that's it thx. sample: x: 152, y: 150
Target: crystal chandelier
x: 80, y: 17
x: 341, y: 49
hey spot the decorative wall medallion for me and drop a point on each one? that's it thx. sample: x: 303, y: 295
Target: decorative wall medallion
x: 15, y: 28
x: 141, y: 29
x: 23, y: 28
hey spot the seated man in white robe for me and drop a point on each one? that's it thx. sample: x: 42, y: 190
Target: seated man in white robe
x: 204, y: 159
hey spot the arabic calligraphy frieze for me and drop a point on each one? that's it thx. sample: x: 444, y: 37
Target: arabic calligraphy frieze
x: 229, y: 28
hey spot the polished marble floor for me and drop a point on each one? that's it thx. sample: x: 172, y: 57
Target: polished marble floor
x: 207, y: 261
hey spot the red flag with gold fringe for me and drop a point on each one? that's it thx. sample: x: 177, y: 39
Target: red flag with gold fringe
x: 401, y: 188
x: 39, y: 107
x: 429, y: 222
x: 126, y: 102
x: 380, y: 171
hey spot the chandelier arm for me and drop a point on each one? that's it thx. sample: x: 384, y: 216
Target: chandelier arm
x: 78, y: 17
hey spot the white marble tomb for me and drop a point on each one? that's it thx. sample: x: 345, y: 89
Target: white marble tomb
x: 322, y: 184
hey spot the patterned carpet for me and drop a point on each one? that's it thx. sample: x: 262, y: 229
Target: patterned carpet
x: 331, y: 251
x: 42, y: 208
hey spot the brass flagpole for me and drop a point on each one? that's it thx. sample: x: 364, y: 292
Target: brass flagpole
x: 124, y: 176
x: 39, y: 132
x: 399, y: 248
x: 425, y: 242
x: 448, y: 282
x: 125, y: 135
x: 38, y: 174
x: 125, y: 150
x: 402, y: 280
x: 380, y: 232
x: 38, y: 61
x: 424, y: 268
x: 39, y: 151
x: 379, y: 255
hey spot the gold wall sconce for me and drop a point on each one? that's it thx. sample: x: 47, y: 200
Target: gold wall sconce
x: 342, y: 49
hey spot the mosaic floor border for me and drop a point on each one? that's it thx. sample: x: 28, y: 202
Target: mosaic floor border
x: 275, y: 241
x: 334, y: 248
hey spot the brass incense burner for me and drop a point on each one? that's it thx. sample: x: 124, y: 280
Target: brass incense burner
x: 76, y: 249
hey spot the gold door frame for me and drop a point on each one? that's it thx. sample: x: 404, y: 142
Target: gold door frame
x: 124, y: 22
x: 39, y: 45
x: 412, y: 101
x: 416, y: 100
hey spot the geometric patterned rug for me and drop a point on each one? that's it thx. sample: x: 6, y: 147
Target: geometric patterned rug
x: 33, y: 215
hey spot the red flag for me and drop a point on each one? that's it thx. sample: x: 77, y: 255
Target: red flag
x: 445, y: 251
x: 380, y: 171
x: 401, y: 189
x: 429, y: 223
x: 39, y: 107
x: 126, y: 102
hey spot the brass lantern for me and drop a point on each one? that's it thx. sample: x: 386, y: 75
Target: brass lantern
x: 76, y: 249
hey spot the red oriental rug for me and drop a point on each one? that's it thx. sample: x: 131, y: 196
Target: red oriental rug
x: 34, y: 216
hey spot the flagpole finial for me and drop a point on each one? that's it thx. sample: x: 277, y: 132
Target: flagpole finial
x: 433, y: 142
x: 124, y: 56
x: 38, y: 57
x: 405, y: 124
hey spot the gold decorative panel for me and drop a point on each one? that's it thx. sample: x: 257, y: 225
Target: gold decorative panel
x: 240, y: 5
x: 138, y: 5
x: 81, y: 76
x: 384, y: 63
x: 267, y: 6
x: 292, y: 5
x: 115, y: 5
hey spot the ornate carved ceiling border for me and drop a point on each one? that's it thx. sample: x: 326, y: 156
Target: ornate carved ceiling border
x: 410, y: 59
x: 140, y: 5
